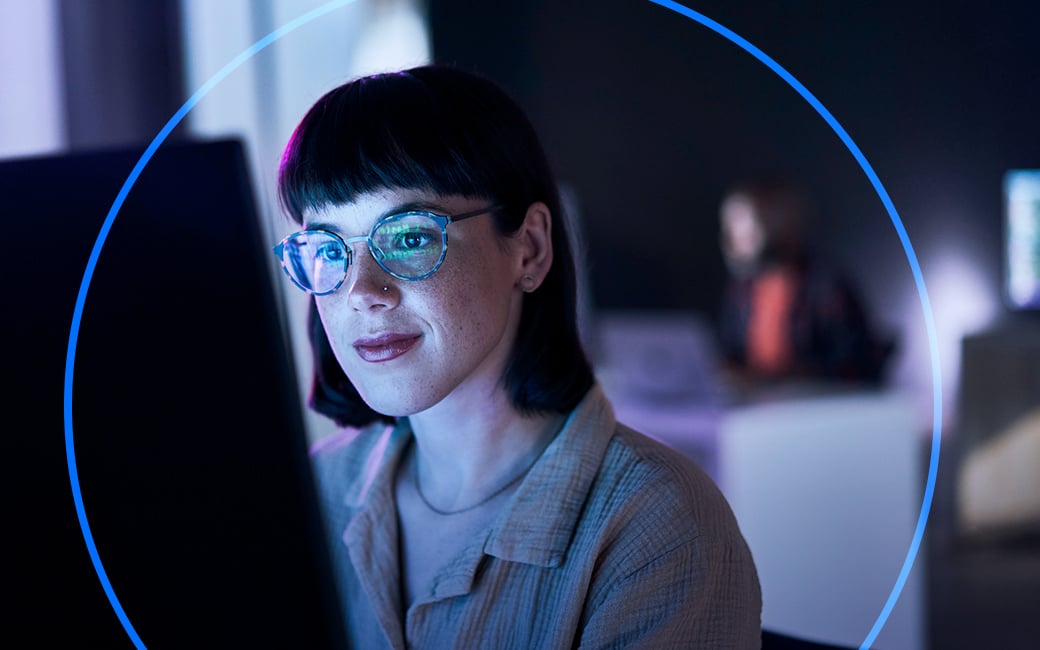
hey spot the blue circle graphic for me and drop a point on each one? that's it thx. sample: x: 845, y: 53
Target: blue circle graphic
x: 309, y: 16
x: 933, y: 343
x: 106, y: 226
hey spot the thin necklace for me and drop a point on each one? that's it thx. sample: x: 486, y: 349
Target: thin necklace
x: 513, y: 481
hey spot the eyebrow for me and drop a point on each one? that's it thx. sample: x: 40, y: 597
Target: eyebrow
x: 407, y: 206
x: 411, y: 206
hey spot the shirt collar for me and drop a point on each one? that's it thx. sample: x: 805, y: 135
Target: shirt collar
x: 540, y: 520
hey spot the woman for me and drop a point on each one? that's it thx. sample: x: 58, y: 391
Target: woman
x: 482, y: 494
x: 786, y: 315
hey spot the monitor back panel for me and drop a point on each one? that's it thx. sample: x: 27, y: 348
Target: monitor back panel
x: 187, y: 426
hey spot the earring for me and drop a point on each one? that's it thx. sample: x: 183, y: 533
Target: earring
x: 527, y: 284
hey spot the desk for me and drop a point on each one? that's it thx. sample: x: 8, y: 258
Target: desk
x: 827, y: 492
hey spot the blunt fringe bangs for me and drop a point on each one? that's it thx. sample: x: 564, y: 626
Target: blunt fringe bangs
x: 447, y: 131
x: 433, y: 128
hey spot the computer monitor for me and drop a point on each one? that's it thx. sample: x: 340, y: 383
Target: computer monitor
x: 187, y: 422
x: 1022, y: 239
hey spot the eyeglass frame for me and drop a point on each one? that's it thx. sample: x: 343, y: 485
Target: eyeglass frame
x: 442, y: 220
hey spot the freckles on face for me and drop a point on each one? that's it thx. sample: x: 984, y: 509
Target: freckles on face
x: 411, y: 346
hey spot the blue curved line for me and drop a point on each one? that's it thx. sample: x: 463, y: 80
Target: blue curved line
x: 933, y: 344
x: 70, y: 357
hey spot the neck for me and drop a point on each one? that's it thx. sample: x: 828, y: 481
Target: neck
x: 465, y: 454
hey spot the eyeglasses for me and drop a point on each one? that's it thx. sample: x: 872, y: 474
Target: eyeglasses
x: 409, y: 246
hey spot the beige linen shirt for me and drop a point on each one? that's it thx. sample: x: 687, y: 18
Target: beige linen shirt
x: 611, y: 541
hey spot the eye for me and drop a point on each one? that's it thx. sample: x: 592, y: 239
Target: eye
x: 412, y: 238
x: 330, y: 251
x: 408, y: 238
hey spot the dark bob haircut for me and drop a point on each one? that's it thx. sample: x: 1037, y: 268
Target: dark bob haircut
x: 446, y: 131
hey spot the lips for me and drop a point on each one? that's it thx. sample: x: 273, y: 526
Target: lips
x: 377, y: 349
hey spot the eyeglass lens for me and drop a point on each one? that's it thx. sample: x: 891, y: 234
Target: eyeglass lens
x: 409, y: 246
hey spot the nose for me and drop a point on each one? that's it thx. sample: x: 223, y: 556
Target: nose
x: 368, y: 285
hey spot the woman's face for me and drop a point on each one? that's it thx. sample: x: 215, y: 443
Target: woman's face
x: 743, y: 237
x: 410, y: 345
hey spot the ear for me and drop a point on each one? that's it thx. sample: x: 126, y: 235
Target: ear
x: 535, y: 247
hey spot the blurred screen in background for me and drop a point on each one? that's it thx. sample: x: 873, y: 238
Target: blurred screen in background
x: 1022, y: 238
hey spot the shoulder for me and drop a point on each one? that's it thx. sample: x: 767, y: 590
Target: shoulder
x: 652, y: 497
x: 825, y: 277
x: 344, y: 447
x: 345, y: 458
x: 669, y: 542
x: 627, y: 478
x: 640, y: 469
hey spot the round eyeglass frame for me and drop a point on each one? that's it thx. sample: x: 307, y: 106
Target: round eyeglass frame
x: 442, y: 220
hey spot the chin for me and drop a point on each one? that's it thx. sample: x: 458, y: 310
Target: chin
x: 395, y: 401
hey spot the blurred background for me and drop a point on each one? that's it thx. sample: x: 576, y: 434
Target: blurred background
x: 650, y: 120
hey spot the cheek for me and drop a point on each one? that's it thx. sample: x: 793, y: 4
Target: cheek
x: 331, y: 322
x: 473, y: 299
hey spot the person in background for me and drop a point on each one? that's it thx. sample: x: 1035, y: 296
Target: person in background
x: 786, y: 315
x: 480, y: 493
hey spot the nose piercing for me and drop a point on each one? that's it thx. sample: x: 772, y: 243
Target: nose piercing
x: 386, y: 288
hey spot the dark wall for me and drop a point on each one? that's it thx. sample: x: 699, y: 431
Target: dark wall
x: 650, y: 115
